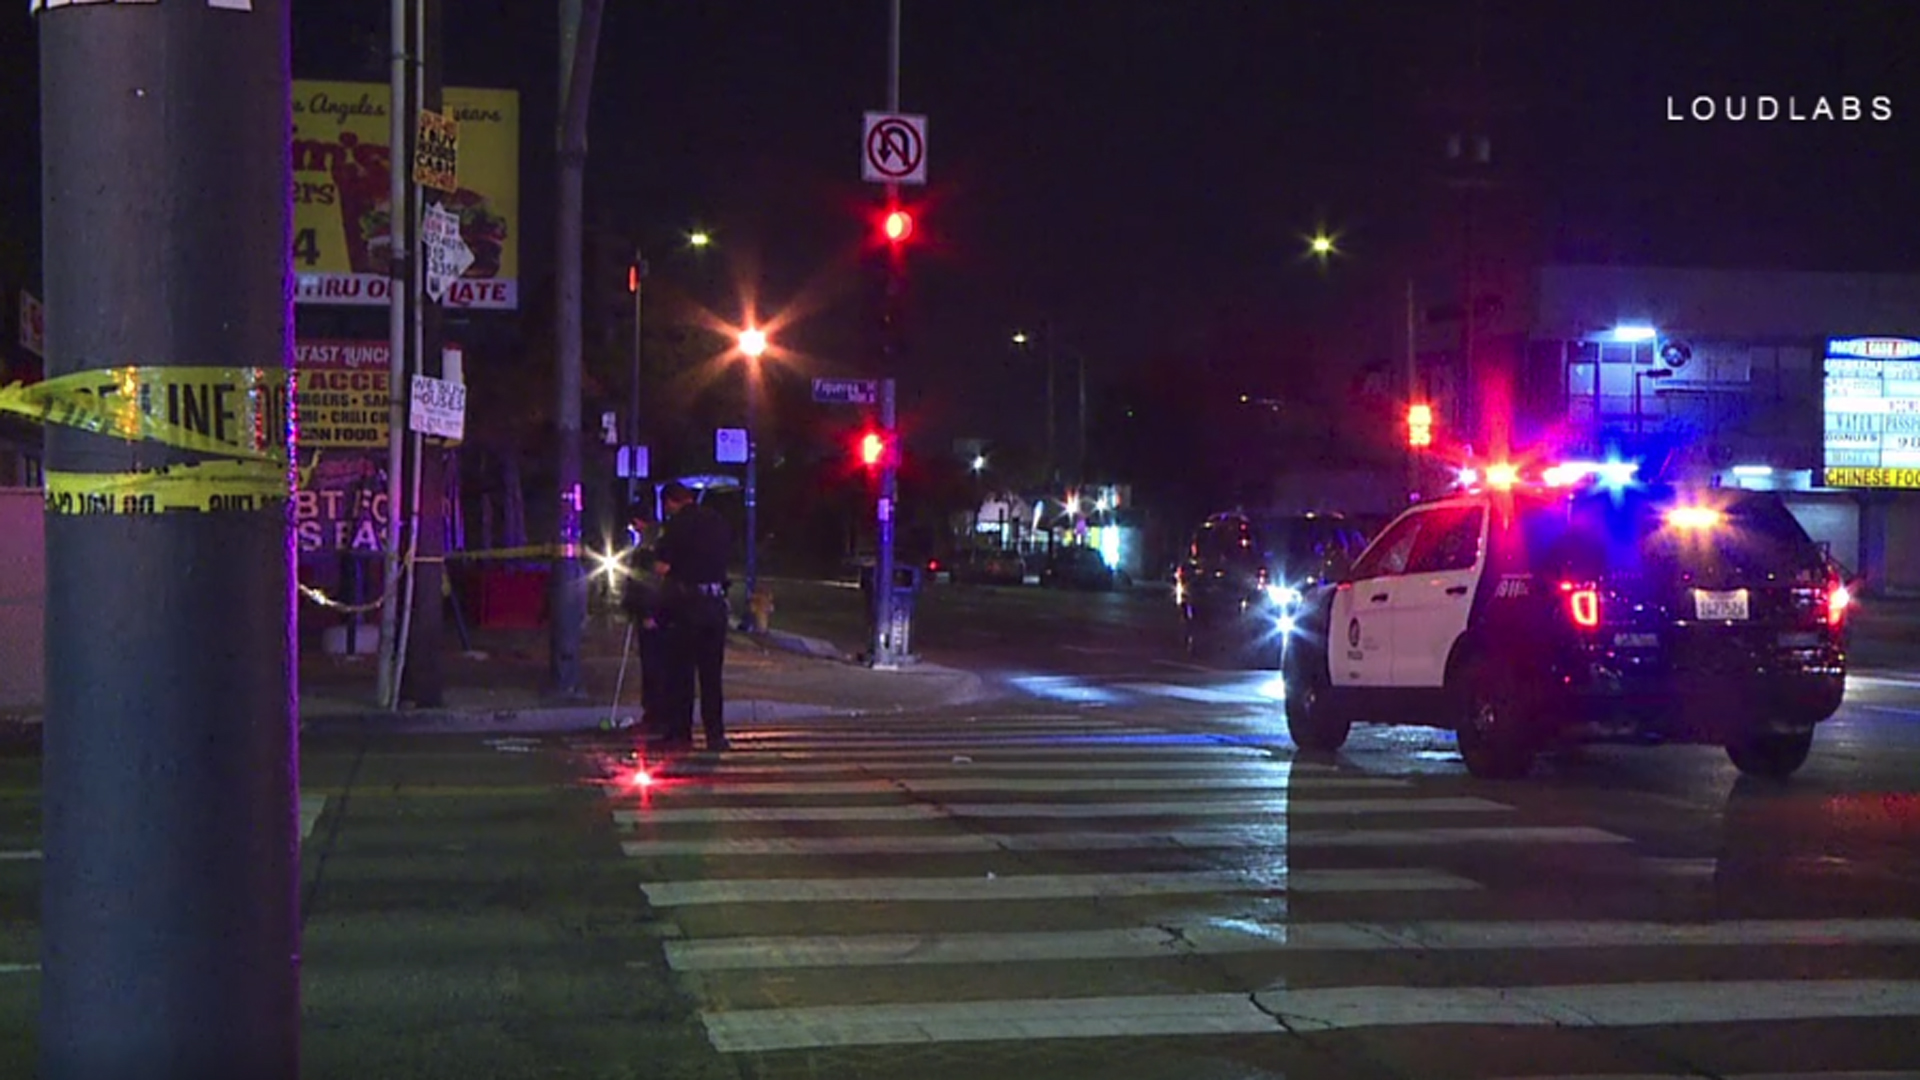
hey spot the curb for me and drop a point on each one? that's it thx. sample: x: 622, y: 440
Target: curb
x: 800, y: 644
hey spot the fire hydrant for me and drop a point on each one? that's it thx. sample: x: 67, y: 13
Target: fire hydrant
x: 760, y: 607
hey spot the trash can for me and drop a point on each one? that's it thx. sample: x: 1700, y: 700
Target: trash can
x: 897, y: 640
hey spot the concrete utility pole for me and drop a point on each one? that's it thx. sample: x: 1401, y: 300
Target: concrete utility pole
x: 424, y: 677
x: 579, y: 40
x: 170, y: 935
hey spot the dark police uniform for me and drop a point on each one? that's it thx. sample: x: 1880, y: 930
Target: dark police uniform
x: 693, y: 620
x: 641, y: 600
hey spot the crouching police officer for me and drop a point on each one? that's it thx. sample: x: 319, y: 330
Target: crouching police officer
x: 691, y: 559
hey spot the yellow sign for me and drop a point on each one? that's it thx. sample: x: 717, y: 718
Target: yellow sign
x: 436, y: 152
x: 342, y: 184
x: 1873, y: 477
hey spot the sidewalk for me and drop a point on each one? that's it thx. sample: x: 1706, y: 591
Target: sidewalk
x: 498, y: 687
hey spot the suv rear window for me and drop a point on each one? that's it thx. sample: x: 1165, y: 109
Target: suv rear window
x: 1630, y: 532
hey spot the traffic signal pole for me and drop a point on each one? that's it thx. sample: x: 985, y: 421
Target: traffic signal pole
x: 882, y: 652
x: 169, y: 919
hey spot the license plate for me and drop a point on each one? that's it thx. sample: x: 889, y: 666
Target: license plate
x: 1720, y: 606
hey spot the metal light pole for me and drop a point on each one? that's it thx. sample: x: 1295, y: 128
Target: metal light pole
x: 637, y: 279
x: 753, y: 345
x: 169, y: 895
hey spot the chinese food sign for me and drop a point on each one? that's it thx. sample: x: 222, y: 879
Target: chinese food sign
x: 1872, y: 429
x: 342, y: 181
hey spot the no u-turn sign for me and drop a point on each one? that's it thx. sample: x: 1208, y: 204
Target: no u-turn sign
x: 894, y: 149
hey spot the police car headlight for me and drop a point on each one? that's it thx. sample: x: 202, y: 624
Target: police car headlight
x: 1284, y: 624
x: 1284, y: 595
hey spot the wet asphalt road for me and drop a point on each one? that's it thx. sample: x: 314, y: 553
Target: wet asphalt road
x: 1122, y: 869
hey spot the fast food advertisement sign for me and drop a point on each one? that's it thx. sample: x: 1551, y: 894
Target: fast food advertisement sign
x: 342, y: 180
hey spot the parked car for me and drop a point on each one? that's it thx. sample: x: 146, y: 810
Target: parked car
x: 1244, y: 574
x: 1080, y: 567
x: 989, y: 566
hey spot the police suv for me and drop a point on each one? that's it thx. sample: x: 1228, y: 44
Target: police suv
x: 1522, y: 615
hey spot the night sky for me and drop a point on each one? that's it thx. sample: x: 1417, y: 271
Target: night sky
x: 1142, y: 172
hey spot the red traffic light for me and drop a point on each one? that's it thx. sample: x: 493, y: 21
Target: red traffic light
x: 633, y: 279
x: 897, y: 225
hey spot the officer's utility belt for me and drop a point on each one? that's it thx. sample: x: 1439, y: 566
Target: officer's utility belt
x: 707, y: 589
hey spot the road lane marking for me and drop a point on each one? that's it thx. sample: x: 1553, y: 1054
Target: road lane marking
x: 948, y: 785
x: 1214, y: 937
x: 1288, y: 1012
x: 1191, y: 808
x: 19, y: 969
x: 1044, y: 886
x: 21, y: 856
x: 1269, y: 837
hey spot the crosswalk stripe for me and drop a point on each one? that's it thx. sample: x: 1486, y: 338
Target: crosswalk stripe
x: 950, y: 784
x: 966, y: 764
x: 1195, y: 748
x: 1200, y: 694
x: 1199, y: 839
x: 1218, y: 937
x: 1287, y: 1012
x: 1043, y: 886
x: 1189, y: 808
x: 1903, y: 1074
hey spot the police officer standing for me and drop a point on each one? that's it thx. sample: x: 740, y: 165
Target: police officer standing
x: 641, y: 600
x: 691, y: 559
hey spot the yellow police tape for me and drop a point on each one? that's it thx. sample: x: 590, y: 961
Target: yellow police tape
x: 237, y: 414
x: 209, y: 486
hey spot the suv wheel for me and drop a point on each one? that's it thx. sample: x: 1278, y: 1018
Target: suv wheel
x: 1774, y: 756
x: 1310, y: 721
x: 1495, y: 726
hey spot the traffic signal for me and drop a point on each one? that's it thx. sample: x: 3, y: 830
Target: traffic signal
x: 875, y: 449
x: 1419, y: 425
x: 898, y: 226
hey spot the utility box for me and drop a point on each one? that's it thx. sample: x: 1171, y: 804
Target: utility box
x: 898, y: 636
x: 23, y: 599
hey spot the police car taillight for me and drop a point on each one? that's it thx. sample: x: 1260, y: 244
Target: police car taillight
x: 1583, y: 604
x: 1838, y: 598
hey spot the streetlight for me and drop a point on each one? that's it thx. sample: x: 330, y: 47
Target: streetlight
x: 753, y: 345
x: 699, y: 238
x: 1021, y: 338
x: 979, y: 463
x: 1321, y: 245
